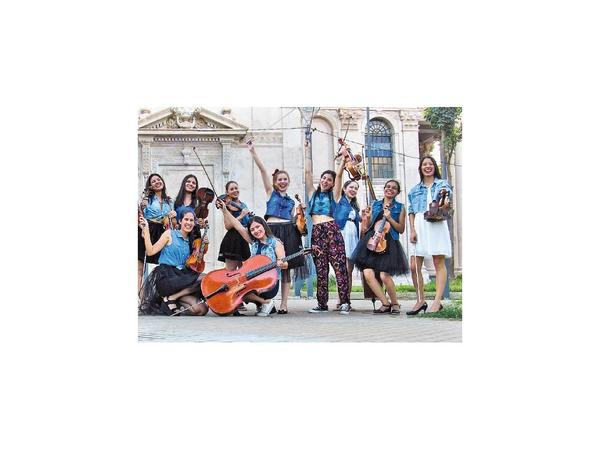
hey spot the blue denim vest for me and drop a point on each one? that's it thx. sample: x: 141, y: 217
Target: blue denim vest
x: 155, y: 210
x: 322, y: 205
x: 268, y: 249
x: 396, y: 209
x: 417, y: 197
x: 279, y: 206
x: 236, y: 214
x: 176, y: 252
x: 343, y: 210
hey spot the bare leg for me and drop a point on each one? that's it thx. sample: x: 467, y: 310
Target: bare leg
x: 390, y: 287
x: 188, y: 290
x: 415, y: 271
x: 253, y: 297
x: 197, y: 308
x: 140, y: 273
x: 374, y: 285
x: 439, y: 261
x: 285, y: 292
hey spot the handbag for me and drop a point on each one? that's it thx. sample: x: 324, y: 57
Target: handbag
x: 436, y: 212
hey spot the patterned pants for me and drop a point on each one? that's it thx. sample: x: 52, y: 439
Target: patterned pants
x: 328, y: 238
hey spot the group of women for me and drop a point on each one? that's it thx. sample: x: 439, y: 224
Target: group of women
x: 341, y: 233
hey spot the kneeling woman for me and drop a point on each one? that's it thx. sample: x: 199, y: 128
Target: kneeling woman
x: 262, y: 242
x: 393, y: 260
x: 171, y: 280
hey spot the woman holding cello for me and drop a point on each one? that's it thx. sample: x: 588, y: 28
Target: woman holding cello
x: 234, y: 248
x: 172, y: 280
x: 379, y: 251
x: 157, y: 209
x: 262, y: 242
x: 279, y: 218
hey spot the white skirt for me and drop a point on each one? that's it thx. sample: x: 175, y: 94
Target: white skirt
x: 433, y: 238
x: 350, y: 235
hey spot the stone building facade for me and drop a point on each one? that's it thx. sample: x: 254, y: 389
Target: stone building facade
x: 168, y: 140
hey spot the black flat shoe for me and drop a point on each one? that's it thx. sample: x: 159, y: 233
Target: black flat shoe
x: 414, y: 313
x: 282, y: 311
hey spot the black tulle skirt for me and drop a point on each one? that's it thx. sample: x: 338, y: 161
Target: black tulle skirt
x: 156, y: 230
x: 287, y: 233
x: 392, y: 261
x: 162, y: 281
x: 234, y: 246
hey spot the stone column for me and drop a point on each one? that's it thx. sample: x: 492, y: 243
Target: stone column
x: 226, y: 143
x: 410, y: 139
x: 146, y: 158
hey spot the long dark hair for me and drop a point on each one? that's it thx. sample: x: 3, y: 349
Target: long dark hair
x: 163, y: 192
x: 329, y: 192
x: 195, y: 233
x: 181, y: 193
x: 353, y: 202
x: 436, y: 171
x: 261, y: 221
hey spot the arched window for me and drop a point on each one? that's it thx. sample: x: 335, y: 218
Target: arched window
x: 379, y: 149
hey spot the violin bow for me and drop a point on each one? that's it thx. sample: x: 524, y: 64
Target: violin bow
x: 205, y: 172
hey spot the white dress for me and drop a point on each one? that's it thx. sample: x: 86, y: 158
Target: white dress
x: 433, y: 238
x: 350, y: 234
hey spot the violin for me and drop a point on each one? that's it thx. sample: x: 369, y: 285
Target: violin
x: 225, y: 289
x: 230, y: 202
x: 300, y: 218
x: 352, y: 162
x: 437, y: 212
x: 196, y: 259
x: 377, y: 242
x: 204, y: 196
x: 143, y: 198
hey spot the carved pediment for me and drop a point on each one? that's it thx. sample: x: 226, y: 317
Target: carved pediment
x: 188, y: 119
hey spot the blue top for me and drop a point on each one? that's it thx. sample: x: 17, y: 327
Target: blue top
x: 279, y: 206
x: 395, y: 209
x: 155, y: 210
x: 236, y: 214
x: 268, y: 249
x: 175, y: 253
x: 322, y: 204
x: 417, y: 197
x: 343, y: 211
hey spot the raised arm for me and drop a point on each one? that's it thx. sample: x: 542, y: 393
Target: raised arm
x: 308, y: 173
x: 228, y: 218
x: 263, y: 171
x: 153, y: 249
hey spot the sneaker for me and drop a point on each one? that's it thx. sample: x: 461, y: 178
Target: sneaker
x: 266, y: 308
x: 318, y: 309
x: 345, y: 308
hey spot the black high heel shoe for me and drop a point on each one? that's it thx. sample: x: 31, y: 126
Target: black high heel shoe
x: 414, y: 313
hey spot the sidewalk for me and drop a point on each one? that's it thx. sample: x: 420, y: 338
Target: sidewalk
x: 361, y: 325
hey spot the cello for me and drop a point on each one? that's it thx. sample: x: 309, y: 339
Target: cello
x: 225, y: 289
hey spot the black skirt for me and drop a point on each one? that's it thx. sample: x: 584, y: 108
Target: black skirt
x: 287, y: 233
x: 234, y: 246
x: 392, y: 261
x: 156, y: 231
x: 163, y: 281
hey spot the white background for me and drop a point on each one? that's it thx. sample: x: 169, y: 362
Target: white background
x: 75, y: 75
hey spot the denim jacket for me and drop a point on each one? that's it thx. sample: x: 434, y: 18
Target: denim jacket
x: 396, y: 210
x: 417, y: 197
x: 176, y: 252
x: 155, y: 210
x: 268, y: 249
x: 279, y: 206
x: 342, y: 211
x: 323, y: 204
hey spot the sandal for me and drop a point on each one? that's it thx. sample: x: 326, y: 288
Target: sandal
x: 395, y: 309
x: 170, y: 305
x: 383, y: 309
x: 282, y: 311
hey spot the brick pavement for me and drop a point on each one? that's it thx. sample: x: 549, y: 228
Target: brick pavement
x: 300, y: 326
